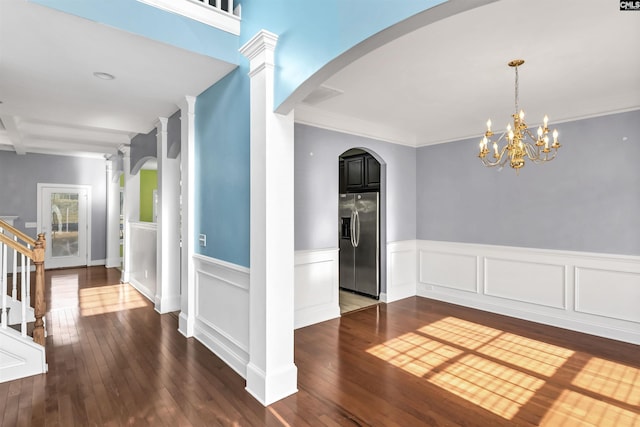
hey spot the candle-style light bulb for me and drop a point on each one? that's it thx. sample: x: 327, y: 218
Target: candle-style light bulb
x: 539, y: 131
x: 521, y: 114
x: 545, y: 121
x: 546, y: 142
x: 510, y: 135
x: 555, y: 136
x: 489, y: 125
x: 495, y: 148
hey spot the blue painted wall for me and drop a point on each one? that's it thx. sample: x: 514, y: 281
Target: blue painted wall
x: 313, y: 33
x: 222, y: 168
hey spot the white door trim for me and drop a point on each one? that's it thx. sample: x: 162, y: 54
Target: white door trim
x: 87, y: 188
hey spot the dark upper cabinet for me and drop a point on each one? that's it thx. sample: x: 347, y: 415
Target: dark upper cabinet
x: 371, y: 173
x: 359, y: 173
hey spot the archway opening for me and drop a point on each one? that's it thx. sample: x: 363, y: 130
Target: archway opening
x: 359, y: 229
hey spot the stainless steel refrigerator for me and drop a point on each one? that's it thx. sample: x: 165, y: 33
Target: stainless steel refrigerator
x: 359, y: 243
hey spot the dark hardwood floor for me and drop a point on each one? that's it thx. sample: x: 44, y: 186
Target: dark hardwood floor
x: 114, y: 361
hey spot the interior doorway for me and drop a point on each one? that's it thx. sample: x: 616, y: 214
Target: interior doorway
x: 63, y: 215
x: 359, y: 226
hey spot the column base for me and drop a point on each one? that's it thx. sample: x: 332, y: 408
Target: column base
x: 269, y: 388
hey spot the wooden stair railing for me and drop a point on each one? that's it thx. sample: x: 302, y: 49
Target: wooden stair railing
x: 33, y: 250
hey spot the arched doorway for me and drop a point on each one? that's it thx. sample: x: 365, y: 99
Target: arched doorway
x: 359, y: 226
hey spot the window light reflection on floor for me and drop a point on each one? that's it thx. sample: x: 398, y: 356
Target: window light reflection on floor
x: 109, y: 299
x: 576, y: 409
x: 493, y: 369
x: 612, y: 380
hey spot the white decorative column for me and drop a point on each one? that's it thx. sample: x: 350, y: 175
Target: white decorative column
x: 168, y: 231
x: 113, y: 215
x: 187, y: 278
x: 131, y: 208
x: 271, y: 373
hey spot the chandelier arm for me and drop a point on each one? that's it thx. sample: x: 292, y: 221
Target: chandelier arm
x: 500, y: 160
x: 546, y: 158
x: 533, y: 153
x: 528, y: 132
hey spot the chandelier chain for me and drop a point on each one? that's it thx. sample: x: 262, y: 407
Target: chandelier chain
x: 516, y: 91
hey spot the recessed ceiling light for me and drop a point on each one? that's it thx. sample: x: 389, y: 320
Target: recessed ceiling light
x: 104, y: 76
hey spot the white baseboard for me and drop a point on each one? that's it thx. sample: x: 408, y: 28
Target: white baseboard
x: 148, y: 293
x: 597, y: 294
x: 222, y: 310
x: 316, y: 293
x: 95, y: 262
x: 167, y: 304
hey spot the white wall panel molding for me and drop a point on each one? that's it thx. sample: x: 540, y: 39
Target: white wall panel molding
x: 592, y: 293
x: 595, y: 285
x: 401, y: 271
x: 531, y: 282
x: 222, y: 310
x: 449, y: 270
x: 142, y: 256
x: 316, y: 286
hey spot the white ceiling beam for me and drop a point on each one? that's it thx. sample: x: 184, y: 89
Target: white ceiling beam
x: 72, y: 133
x: 39, y: 144
x: 13, y: 133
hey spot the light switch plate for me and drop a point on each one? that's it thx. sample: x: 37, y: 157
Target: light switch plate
x: 203, y: 240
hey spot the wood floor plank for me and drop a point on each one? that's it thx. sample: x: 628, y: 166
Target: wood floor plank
x: 114, y: 361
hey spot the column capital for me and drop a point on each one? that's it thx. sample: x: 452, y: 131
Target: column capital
x: 259, y: 50
x: 188, y: 105
x: 125, y: 149
x: 161, y: 124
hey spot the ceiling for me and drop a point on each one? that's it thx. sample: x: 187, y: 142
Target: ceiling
x: 437, y: 84
x: 53, y: 103
x: 442, y: 82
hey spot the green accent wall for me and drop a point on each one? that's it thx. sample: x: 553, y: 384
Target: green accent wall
x: 148, y: 183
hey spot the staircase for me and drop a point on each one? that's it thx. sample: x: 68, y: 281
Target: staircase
x: 21, y: 354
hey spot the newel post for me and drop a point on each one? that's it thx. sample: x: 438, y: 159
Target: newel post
x: 40, y: 307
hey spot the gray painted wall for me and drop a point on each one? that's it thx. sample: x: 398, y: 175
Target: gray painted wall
x: 20, y: 174
x: 174, y: 135
x: 316, y: 186
x: 587, y: 199
x: 143, y: 147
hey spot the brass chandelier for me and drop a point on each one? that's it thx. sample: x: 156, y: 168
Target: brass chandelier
x: 517, y: 146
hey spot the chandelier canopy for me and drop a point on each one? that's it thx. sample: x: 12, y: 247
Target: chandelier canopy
x: 520, y: 141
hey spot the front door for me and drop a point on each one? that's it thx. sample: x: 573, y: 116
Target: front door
x: 63, y: 217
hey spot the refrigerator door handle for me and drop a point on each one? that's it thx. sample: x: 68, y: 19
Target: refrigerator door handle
x: 352, y: 233
x: 357, y: 229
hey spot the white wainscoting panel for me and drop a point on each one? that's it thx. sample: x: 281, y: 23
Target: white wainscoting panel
x: 316, y: 286
x: 449, y: 270
x: 401, y: 271
x: 142, y: 274
x: 594, y: 290
x: 597, y: 294
x: 222, y: 310
x: 531, y: 282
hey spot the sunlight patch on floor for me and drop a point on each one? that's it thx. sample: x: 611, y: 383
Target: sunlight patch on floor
x: 610, y: 379
x: 496, y: 370
x: 528, y: 354
x: 490, y: 385
x: 460, y: 332
x: 109, y: 299
x: 576, y: 409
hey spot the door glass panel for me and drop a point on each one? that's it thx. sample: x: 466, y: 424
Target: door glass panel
x: 64, y: 224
